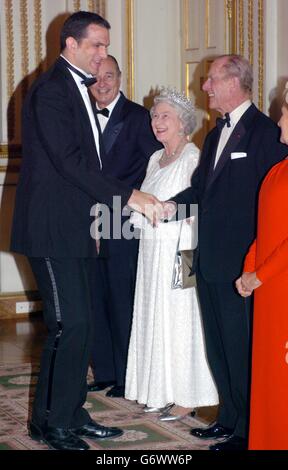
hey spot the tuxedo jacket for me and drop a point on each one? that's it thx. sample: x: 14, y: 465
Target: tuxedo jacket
x: 129, y: 143
x: 60, y: 178
x: 227, y: 195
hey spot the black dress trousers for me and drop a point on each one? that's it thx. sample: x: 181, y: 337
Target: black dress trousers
x: 226, y: 327
x: 61, y: 389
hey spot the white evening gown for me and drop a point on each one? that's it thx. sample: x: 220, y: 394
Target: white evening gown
x: 166, y: 359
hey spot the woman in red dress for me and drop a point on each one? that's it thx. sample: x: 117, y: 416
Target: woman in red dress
x: 266, y: 272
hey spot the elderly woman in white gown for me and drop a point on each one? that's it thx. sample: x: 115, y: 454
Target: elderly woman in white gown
x: 166, y: 361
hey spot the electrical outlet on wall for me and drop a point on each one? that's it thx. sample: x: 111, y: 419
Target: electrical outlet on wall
x: 29, y: 306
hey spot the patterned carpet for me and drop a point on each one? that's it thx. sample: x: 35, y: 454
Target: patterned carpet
x: 141, y: 431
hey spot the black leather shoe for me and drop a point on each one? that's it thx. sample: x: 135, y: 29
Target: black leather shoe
x: 212, y: 432
x: 98, y: 386
x: 116, y: 391
x: 94, y: 430
x: 233, y: 443
x: 57, y: 438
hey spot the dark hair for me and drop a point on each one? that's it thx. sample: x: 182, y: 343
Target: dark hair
x: 109, y: 56
x: 76, y: 25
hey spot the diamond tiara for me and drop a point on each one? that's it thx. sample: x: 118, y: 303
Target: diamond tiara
x: 176, y: 97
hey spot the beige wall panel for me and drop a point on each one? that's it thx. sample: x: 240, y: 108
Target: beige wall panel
x: 210, y: 18
x: 192, y: 33
x: 157, y: 47
x: 193, y: 90
x: 211, y: 24
x: 15, y: 273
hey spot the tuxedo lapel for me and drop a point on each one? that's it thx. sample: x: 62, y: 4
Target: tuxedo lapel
x: 114, y: 125
x: 237, y: 135
x: 110, y: 135
x: 81, y: 107
x: 214, y: 139
x: 60, y: 64
x: 225, y: 156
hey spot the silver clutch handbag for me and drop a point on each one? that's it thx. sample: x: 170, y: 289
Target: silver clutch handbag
x: 182, y: 277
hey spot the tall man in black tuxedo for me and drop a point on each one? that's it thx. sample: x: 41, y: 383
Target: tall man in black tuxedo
x: 128, y: 143
x: 60, y: 181
x: 236, y: 156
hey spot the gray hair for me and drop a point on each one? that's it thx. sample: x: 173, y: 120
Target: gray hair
x: 182, y: 105
x: 238, y: 66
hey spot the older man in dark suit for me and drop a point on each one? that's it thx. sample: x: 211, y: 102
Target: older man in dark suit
x: 236, y: 156
x: 60, y: 181
x: 128, y: 143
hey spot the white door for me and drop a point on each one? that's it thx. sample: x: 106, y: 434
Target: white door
x: 205, y: 34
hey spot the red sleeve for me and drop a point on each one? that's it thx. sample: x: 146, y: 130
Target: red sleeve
x: 275, y: 263
x: 250, y: 260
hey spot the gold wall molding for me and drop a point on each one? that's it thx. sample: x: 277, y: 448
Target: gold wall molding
x: 38, y: 35
x: 101, y: 7
x: 130, y: 49
x: 231, y: 15
x: 24, y: 46
x: 241, y: 27
x: 97, y: 6
x: 251, y: 31
x: 10, y: 68
x: 260, y: 53
x: 11, y: 151
x: 229, y: 8
x: 76, y: 5
x: 92, y: 6
x: 249, y: 18
x: 207, y: 23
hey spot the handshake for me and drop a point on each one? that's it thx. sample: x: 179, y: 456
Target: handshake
x: 156, y: 211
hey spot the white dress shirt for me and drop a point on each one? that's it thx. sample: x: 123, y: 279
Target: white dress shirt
x: 103, y: 120
x: 226, y: 132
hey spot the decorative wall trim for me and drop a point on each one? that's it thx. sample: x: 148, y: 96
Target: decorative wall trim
x: 11, y: 151
x: 10, y: 68
x: 231, y: 14
x: 97, y: 6
x: 100, y: 7
x: 92, y: 6
x: 260, y: 54
x: 241, y: 27
x: 130, y: 49
x: 24, y: 47
x: 38, y: 35
x: 250, y: 31
x: 185, y: 18
x: 76, y: 5
x: 207, y: 23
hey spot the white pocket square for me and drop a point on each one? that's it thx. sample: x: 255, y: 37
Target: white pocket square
x: 235, y: 155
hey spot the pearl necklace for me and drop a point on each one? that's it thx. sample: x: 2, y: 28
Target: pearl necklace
x: 166, y: 158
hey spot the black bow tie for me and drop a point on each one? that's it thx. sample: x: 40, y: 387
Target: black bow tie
x: 220, y: 122
x: 87, y: 81
x: 103, y: 111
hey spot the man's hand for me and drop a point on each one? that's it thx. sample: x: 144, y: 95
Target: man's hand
x: 169, y: 209
x: 247, y: 283
x: 147, y: 204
